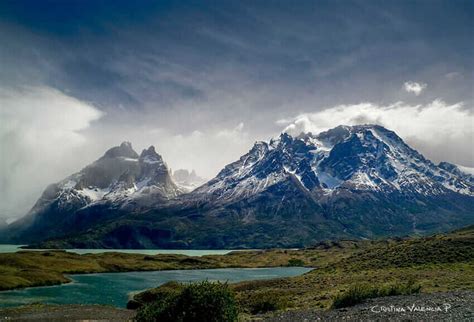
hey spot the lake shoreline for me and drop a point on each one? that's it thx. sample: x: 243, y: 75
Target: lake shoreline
x: 117, y: 289
x: 70, y: 281
x: 13, y: 248
x: 47, y: 268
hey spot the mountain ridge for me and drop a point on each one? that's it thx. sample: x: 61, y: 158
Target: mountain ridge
x: 348, y: 182
x: 121, y: 177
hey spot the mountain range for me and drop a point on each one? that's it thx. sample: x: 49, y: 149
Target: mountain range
x: 348, y: 182
x: 187, y: 180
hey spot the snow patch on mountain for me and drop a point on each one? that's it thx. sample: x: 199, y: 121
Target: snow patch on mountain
x: 358, y: 158
x: 466, y: 170
x: 120, y: 176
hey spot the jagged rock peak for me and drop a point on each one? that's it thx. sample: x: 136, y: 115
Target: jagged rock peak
x: 464, y: 172
x: 449, y: 167
x: 259, y: 146
x: 185, y: 174
x: 125, y: 150
x: 150, y: 156
x: 282, y: 138
x: 332, y: 136
x: 150, y: 151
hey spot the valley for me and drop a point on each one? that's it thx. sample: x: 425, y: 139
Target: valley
x: 355, y: 208
x: 438, y: 263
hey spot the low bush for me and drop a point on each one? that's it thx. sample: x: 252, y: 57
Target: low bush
x: 358, y: 293
x: 162, y: 309
x: 155, y: 295
x: 295, y: 262
x: 265, y: 302
x: 203, y: 301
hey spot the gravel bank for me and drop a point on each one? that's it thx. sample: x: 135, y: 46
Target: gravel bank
x: 452, y: 306
x: 66, y: 313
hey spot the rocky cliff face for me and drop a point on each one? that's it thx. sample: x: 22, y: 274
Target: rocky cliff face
x: 120, y: 179
x: 359, y: 158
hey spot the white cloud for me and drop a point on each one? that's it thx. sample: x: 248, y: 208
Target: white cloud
x: 40, y: 136
x: 206, y: 151
x: 414, y: 87
x: 453, y: 75
x: 441, y: 131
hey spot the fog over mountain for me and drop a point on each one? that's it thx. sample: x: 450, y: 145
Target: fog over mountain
x: 203, y: 81
x: 189, y: 180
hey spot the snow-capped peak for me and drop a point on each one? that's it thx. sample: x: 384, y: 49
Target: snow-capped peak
x: 355, y: 158
x: 120, y: 175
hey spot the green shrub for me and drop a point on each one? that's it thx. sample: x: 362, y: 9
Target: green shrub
x: 265, y: 302
x: 203, y: 301
x: 155, y: 295
x: 295, y: 262
x: 360, y: 292
x: 162, y: 309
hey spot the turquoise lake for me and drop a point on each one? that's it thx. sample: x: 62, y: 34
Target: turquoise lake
x: 115, y: 288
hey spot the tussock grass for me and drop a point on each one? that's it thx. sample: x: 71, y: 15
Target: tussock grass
x: 262, y: 302
x: 358, y: 293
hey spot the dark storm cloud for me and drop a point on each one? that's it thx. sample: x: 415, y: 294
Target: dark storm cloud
x: 105, y: 49
x: 184, y: 75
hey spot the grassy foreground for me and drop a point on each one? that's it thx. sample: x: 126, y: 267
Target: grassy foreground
x: 437, y: 263
x: 347, y: 272
x: 432, y: 264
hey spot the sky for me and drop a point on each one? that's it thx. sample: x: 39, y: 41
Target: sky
x: 203, y: 80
